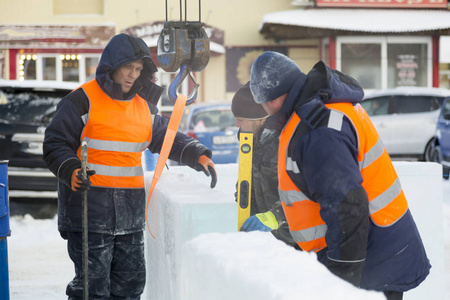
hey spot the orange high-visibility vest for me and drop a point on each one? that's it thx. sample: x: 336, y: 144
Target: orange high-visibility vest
x: 116, y: 131
x: 387, y: 202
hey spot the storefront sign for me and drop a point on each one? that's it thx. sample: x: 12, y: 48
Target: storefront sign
x: 406, y: 70
x: 383, y: 3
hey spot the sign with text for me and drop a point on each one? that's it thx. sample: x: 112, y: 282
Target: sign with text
x: 383, y: 3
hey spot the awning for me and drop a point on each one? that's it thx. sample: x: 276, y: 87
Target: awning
x: 316, y: 23
x: 27, y: 36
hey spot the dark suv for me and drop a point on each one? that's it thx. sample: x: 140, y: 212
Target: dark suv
x: 26, y: 109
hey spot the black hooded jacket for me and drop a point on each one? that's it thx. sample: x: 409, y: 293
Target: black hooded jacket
x: 111, y: 210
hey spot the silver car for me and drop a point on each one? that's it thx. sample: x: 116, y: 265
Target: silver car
x: 405, y: 118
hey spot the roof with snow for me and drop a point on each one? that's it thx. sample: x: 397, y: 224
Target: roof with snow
x: 313, y: 23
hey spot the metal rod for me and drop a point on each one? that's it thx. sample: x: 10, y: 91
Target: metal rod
x: 84, y: 206
x: 199, y: 11
x: 166, y: 11
x: 185, y: 10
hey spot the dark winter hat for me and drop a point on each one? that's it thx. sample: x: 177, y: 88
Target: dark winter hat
x: 244, y: 106
x: 272, y: 75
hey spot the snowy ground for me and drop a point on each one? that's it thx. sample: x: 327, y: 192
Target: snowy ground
x: 39, y: 267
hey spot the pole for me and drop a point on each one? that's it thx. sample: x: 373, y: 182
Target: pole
x: 84, y: 207
x: 4, y: 230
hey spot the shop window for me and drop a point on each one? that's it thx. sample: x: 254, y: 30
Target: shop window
x: 49, y: 68
x: 407, y: 65
x: 27, y: 66
x: 70, y: 68
x: 91, y: 67
x: 385, y: 62
x: 363, y: 62
x: 83, y: 7
x: 444, y: 75
x: 57, y: 67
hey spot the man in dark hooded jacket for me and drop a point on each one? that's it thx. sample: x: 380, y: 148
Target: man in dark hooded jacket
x: 266, y: 213
x: 116, y: 114
x: 340, y: 193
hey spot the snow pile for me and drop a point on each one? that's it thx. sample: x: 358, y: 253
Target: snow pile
x: 255, y: 266
x: 238, y: 264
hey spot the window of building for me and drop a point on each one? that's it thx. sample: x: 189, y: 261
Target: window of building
x: 362, y: 61
x: 91, y: 67
x: 83, y: 7
x: 27, y: 66
x: 444, y: 75
x: 70, y: 69
x: 49, y: 68
x: 57, y: 67
x: 386, y: 62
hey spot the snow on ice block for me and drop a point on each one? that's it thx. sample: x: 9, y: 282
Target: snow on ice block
x: 422, y: 184
x: 255, y: 266
x: 217, y: 262
x: 183, y: 206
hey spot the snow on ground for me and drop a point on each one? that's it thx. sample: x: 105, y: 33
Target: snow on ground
x: 39, y: 267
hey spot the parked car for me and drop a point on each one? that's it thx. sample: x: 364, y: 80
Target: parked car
x: 441, y: 153
x: 214, y: 126
x: 405, y: 118
x: 26, y: 108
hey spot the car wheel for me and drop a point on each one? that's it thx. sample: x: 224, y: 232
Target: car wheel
x: 436, y: 154
x: 445, y: 173
x: 429, y: 151
x: 437, y: 157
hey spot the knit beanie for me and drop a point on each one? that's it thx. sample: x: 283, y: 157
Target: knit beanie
x: 272, y: 75
x: 244, y: 106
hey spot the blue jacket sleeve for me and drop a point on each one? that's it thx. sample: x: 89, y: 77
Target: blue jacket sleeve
x: 62, y: 139
x: 328, y: 162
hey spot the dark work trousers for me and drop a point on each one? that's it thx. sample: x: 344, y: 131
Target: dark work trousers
x: 393, y: 295
x: 116, y: 266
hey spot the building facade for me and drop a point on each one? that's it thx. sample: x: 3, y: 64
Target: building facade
x: 382, y: 43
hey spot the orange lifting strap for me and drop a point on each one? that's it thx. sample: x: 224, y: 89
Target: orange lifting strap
x: 172, y: 129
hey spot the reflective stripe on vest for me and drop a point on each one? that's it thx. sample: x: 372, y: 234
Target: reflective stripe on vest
x: 387, y: 203
x: 116, y: 131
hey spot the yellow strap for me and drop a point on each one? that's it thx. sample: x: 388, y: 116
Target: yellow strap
x: 172, y: 129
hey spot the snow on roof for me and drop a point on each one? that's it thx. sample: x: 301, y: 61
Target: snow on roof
x: 363, y: 20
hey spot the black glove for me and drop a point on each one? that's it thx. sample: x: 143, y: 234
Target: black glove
x: 77, y: 182
x: 208, y: 168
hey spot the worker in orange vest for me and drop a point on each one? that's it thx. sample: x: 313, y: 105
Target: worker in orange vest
x: 340, y: 193
x: 116, y: 114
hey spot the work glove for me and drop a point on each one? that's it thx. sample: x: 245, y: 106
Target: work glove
x: 261, y: 222
x: 208, y: 168
x: 77, y: 182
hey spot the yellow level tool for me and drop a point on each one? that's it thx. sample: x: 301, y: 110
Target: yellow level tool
x: 244, y: 177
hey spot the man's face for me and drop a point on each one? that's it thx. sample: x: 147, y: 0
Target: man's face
x: 274, y: 106
x: 249, y: 125
x: 127, y: 74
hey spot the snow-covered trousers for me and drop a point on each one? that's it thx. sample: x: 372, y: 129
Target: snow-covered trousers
x: 116, y: 266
